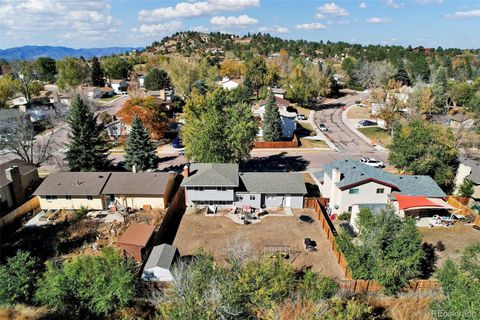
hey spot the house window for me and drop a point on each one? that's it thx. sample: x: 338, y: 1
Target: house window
x: 349, y: 209
x: 89, y: 197
x: 68, y: 197
x: 380, y: 190
x: 239, y: 198
x: 252, y: 197
x: 354, y: 191
x: 198, y: 188
x: 50, y: 198
x: 221, y: 188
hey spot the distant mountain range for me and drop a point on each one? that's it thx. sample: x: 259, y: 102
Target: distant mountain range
x: 33, y: 52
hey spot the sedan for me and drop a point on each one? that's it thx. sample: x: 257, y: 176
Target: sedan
x: 322, y: 127
x: 367, y: 123
x: 301, y: 117
x: 372, y: 162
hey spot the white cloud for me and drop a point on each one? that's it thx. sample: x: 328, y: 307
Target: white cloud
x: 240, y: 21
x: 77, y: 19
x: 362, y: 5
x: 195, y: 9
x: 274, y: 29
x: 380, y: 20
x: 394, y: 5
x: 199, y: 29
x: 465, y: 14
x: 310, y: 26
x: 331, y: 9
x: 152, y: 29
x: 425, y: 2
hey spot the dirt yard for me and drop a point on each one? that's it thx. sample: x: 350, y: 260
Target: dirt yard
x: 454, y: 239
x: 213, y: 233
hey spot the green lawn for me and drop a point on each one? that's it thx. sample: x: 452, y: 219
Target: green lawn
x: 109, y: 98
x: 377, y: 135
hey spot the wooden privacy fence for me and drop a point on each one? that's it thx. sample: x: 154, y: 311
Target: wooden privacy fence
x: 357, y: 286
x: 277, y: 144
x: 463, y: 210
x: 29, y: 206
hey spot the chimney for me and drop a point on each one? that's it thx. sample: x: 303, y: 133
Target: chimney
x: 134, y: 168
x: 336, y: 175
x: 186, y: 171
x: 13, y: 174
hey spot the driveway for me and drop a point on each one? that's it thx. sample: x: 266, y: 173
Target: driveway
x: 344, y: 138
x: 216, y: 233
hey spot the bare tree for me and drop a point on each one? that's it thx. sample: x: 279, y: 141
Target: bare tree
x: 24, y: 72
x: 373, y: 74
x: 238, y: 250
x: 18, y: 136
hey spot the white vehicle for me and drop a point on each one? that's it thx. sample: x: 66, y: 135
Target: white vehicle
x: 301, y: 117
x: 372, y: 162
x: 322, y: 127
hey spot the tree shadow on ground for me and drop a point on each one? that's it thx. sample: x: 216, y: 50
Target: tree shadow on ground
x: 276, y: 162
x: 427, y: 265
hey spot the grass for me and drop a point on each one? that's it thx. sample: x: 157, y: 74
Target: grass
x: 109, y: 98
x: 357, y: 112
x: 309, y: 143
x: 302, y: 110
x: 305, y: 129
x: 377, y: 135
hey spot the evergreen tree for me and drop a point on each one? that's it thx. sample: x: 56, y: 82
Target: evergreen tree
x: 272, y: 123
x: 157, y: 79
x: 439, y: 89
x: 140, y: 151
x: 87, y: 149
x: 96, y: 73
x: 402, y: 75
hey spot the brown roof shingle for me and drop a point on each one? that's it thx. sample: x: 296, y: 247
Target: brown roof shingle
x: 24, y: 167
x: 137, y: 234
x: 73, y: 184
x: 140, y: 183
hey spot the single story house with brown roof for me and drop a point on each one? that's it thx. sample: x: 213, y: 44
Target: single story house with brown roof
x: 136, y: 240
x: 18, y: 178
x: 103, y: 190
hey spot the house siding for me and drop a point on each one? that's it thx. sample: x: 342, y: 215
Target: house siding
x: 367, y: 195
x: 97, y: 203
x: 256, y: 203
x: 209, y: 194
x: 138, y: 201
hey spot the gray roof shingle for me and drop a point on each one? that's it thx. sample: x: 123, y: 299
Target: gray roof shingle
x: 212, y: 175
x: 24, y: 167
x: 161, y: 256
x: 138, y: 183
x: 274, y: 182
x: 475, y: 165
x: 73, y: 184
x: 354, y: 172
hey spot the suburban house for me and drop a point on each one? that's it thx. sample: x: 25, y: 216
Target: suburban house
x: 469, y: 169
x: 118, y: 85
x: 136, y: 240
x: 230, y: 84
x: 92, y: 92
x: 289, y: 125
x: 349, y: 185
x: 159, y: 263
x: 165, y: 95
x: 218, y: 185
x: 107, y: 92
x: 106, y: 190
x: 279, y: 92
x: 18, y: 179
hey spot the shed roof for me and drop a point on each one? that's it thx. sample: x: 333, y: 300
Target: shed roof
x: 212, y: 175
x: 161, y: 256
x: 137, y: 234
x: 24, y: 167
x: 138, y: 183
x: 73, y: 183
x: 273, y: 182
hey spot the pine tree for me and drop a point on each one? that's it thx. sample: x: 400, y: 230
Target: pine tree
x: 140, y: 151
x: 402, y: 75
x: 157, y: 80
x: 439, y: 89
x: 272, y: 123
x: 96, y: 73
x: 87, y: 149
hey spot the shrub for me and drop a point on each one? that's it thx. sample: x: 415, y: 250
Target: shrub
x: 345, y: 216
x: 17, y: 279
x: 314, y: 287
x: 82, y: 212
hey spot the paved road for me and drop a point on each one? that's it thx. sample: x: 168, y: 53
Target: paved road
x: 343, y: 137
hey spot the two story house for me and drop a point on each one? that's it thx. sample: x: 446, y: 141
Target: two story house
x: 219, y: 185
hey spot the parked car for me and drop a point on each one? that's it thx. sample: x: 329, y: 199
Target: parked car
x: 366, y: 123
x: 181, y: 152
x: 301, y: 117
x: 372, y: 162
x: 177, y: 143
x: 322, y: 127
x: 305, y: 219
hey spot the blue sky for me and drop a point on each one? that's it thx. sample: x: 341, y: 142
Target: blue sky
x: 102, y: 23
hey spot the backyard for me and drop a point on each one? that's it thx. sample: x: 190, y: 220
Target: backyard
x: 377, y: 135
x: 215, y: 234
x: 449, y: 242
